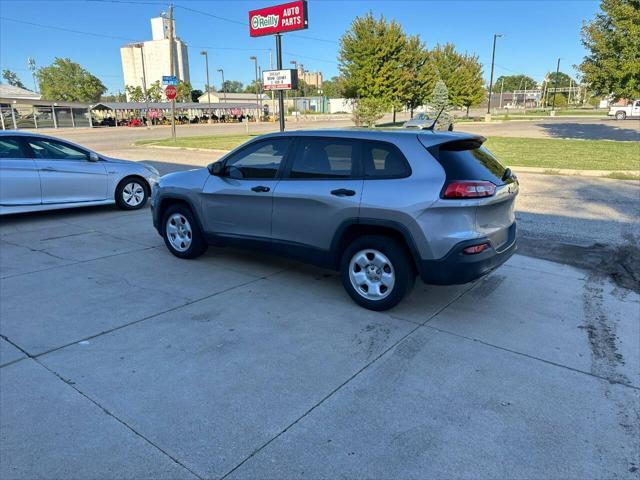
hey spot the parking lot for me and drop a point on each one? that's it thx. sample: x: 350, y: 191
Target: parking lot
x: 120, y: 360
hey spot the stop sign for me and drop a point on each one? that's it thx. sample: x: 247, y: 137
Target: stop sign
x: 170, y: 92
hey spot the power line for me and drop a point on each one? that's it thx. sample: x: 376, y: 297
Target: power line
x: 70, y: 30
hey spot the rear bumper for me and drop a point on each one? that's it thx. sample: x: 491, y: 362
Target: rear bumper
x: 457, y: 268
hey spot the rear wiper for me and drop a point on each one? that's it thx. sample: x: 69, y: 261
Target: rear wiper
x: 507, y: 174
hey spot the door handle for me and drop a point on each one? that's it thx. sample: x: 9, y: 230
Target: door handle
x: 343, y: 192
x: 260, y: 188
x: 48, y: 169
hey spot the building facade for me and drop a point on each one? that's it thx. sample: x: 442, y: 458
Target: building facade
x: 155, y: 54
x: 310, y: 78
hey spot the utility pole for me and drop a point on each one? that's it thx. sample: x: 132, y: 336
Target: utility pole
x: 493, y: 58
x: 501, y: 90
x: 273, y: 105
x: 255, y: 61
x: 206, y: 66
x: 555, y: 89
x: 172, y: 72
x: 295, y: 104
x: 144, y: 81
x: 32, y: 66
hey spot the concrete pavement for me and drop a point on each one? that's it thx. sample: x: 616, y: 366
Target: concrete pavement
x: 119, y: 359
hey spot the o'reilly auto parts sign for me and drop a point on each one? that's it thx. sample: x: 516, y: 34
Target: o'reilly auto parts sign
x: 279, y: 18
x: 280, y: 79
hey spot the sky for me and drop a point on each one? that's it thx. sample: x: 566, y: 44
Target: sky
x: 536, y: 33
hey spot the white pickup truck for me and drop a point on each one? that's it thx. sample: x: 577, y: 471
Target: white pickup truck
x: 630, y: 111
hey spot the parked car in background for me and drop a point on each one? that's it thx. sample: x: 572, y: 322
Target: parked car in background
x: 379, y: 206
x: 419, y: 120
x: 38, y: 172
x: 632, y: 110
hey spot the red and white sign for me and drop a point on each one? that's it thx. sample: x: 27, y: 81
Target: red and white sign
x: 287, y: 17
x: 170, y: 92
x: 279, y: 79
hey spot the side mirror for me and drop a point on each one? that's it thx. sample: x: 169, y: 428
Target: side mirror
x: 216, y: 169
x: 94, y: 157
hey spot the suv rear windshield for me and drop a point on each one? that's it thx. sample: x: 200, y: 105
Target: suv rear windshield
x: 469, y: 161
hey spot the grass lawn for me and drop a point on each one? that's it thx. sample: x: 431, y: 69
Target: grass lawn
x: 213, y: 142
x: 545, y: 153
x: 553, y: 153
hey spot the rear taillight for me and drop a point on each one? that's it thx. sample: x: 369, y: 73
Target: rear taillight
x: 476, y: 249
x: 469, y: 189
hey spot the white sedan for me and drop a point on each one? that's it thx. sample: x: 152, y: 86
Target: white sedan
x: 38, y: 172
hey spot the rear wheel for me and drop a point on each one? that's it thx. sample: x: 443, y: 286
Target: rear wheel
x: 181, y: 233
x: 376, y: 272
x: 621, y: 115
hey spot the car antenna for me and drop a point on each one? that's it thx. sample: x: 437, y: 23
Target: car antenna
x: 431, y: 127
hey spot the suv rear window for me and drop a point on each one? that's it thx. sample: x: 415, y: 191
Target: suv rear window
x: 383, y: 160
x: 469, y: 161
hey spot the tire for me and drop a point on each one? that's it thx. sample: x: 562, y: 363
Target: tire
x: 181, y: 232
x: 621, y: 115
x: 132, y: 193
x: 378, y: 263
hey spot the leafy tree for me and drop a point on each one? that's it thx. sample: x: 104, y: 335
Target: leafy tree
x: 613, y: 40
x: 67, y: 81
x: 196, y: 94
x: 564, y: 80
x: 418, y: 78
x: 448, y: 65
x: 232, y: 86
x: 561, y: 99
x: 472, y: 91
x: 12, y: 78
x: 251, y: 88
x: 183, y: 91
x: 135, y: 94
x: 333, y: 88
x: 509, y: 83
x: 368, y: 111
x: 114, y: 97
x: 370, y: 58
x: 155, y: 92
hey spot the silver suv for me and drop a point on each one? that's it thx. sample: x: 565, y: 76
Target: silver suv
x: 379, y: 206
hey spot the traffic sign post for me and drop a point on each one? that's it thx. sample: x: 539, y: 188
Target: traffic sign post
x: 169, y: 80
x: 171, y: 92
x: 276, y: 20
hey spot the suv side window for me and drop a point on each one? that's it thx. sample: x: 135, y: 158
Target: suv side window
x: 260, y: 160
x: 11, y: 148
x: 50, y: 149
x: 383, y: 160
x: 319, y: 158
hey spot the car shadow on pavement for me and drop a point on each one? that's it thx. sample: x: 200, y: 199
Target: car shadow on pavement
x: 592, y: 132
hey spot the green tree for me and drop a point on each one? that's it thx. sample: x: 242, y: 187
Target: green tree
x: 509, y: 83
x: 67, y: 81
x: 333, y: 88
x: 472, y: 91
x: 370, y: 58
x: 417, y: 78
x: 114, y: 97
x: 613, y: 40
x: 196, y: 94
x: 135, y: 94
x: 564, y: 80
x: 440, y: 101
x: 368, y: 111
x: 232, y: 86
x: 155, y: 91
x: 251, y: 88
x: 183, y: 91
x: 12, y: 78
x: 448, y: 65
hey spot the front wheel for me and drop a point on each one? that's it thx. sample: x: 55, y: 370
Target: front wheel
x: 621, y: 115
x: 376, y: 272
x: 132, y: 193
x: 181, y: 233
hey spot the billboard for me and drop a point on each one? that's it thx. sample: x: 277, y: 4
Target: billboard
x: 280, y: 79
x: 287, y: 17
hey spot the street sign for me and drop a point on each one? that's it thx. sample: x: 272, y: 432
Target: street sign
x: 170, y: 92
x: 280, y: 79
x: 169, y: 80
x: 287, y: 17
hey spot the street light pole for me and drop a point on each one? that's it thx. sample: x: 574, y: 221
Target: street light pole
x: 493, y: 58
x: 206, y: 66
x: 295, y: 67
x: 224, y: 89
x: 255, y: 61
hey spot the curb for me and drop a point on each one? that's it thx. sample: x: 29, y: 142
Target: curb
x: 569, y: 171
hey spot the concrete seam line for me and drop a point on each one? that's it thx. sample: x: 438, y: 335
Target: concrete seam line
x: 148, y: 317
x: 110, y: 414
x: 532, y: 357
x: 332, y: 392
